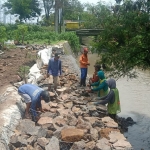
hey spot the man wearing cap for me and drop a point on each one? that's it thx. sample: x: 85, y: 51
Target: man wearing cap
x: 83, y: 66
x: 33, y: 95
x: 54, y: 69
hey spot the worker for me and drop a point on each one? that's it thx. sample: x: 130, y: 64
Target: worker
x: 84, y: 66
x: 95, y: 77
x: 112, y: 99
x: 54, y: 69
x: 33, y: 95
x: 101, y: 86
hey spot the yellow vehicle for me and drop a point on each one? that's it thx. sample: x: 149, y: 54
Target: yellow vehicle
x: 72, y: 26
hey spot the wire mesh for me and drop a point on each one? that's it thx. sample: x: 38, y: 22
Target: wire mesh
x: 65, y: 145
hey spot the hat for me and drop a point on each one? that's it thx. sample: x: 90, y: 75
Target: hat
x: 45, y: 96
x: 97, y: 65
x: 85, y: 49
x: 56, y: 55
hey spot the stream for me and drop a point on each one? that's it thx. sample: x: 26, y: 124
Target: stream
x: 134, y: 98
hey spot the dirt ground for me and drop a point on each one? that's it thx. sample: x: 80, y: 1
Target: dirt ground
x: 11, y: 61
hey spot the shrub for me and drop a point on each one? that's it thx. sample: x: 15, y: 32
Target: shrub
x: 29, y: 32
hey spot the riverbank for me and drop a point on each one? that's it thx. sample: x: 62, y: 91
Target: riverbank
x: 134, y: 99
x: 71, y: 122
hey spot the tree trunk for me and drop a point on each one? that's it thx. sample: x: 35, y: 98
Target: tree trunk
x: 56, y: 15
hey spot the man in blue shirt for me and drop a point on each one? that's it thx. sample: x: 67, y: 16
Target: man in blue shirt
x: 54, y: 69
x: 33, y: 95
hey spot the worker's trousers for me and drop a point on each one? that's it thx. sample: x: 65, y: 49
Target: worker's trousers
x: 83, y: 76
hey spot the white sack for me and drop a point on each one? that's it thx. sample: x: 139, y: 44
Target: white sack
x: 45, y: 55
x: 34, y: 74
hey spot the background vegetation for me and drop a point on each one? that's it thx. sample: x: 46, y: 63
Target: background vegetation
x: 35, y: 34
x: 123, y: 44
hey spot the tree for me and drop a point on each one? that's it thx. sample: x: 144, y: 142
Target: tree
x: 46, y: 22
x: 19, y: 33
x: 48, y: 5
x: 124, y: 43
x: 26, y: 9
x: 72, y: 9
x: 94, y: 15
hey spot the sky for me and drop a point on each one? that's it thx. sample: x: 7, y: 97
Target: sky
x: 95, y: 1
x: 10, y: 18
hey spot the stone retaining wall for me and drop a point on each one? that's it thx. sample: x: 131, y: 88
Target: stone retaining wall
x: 70, y: 122
x: 11, y: 110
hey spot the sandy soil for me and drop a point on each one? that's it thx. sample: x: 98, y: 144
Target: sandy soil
x: 11, y: 61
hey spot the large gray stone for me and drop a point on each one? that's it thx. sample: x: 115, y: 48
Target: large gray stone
x: 90, y: 145
x: 122, y: 144
x: 78, y: 145
x: 27, y: 126
x: 19, y: 141
x: 42, y: 141
x: 53, y: 144
x: 102, y: 145
x: 32, y: 140
x: 41, y: 132
x: 83, y: 124
x: 71, y: 120
x: 37, y: 146
x: 109, y: 122
x: 3, y: 145
x: 94, y: 134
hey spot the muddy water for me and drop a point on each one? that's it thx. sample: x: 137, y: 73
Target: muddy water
x: 135, y: 103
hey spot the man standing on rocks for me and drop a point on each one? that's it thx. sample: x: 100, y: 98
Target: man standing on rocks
x: 54, y: 69
x: 33, y: 95
x: 84, y: 66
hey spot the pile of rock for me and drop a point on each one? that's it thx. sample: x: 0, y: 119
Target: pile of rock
x: 66, y: 132
x: 71, y: 121
x: 56, y: 48
x: 32, y: 47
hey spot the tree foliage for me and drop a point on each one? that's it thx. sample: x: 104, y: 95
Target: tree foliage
x: 19, y: 33
x: 72, y: 9
x: 124, y: 43
x: 48, y: 5
x: 94, y: 15
x: 26, y: 9
x: 47, y: 21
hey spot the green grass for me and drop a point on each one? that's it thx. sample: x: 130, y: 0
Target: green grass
x: 57, y: 42
x: 11, y: 46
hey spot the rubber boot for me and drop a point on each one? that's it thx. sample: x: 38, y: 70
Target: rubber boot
x: 84, y: 82
x: 81, y: 82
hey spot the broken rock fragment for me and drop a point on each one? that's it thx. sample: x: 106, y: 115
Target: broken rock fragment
x: 72, y: 135
x: 42, y: 142
x: 53, y: 144
x: 45, y: 120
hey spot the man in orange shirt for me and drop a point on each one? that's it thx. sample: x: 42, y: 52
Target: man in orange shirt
x: 84, y: 66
